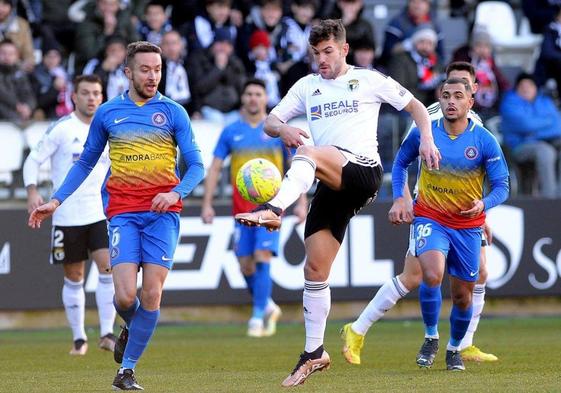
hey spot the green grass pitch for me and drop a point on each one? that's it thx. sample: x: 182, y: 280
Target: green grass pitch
x: 219, y: 358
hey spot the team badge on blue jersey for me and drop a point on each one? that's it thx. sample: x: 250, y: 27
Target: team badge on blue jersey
x: 159, y: 119
x: 471, y: 153
x: 315, y: 112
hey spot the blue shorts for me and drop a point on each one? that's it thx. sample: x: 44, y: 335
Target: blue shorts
x: 143, y: 237
x: 249, y: 239
x: 461, y: 247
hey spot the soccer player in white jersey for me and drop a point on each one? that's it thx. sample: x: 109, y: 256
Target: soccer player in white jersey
x: 398, y: 287
x: 341, y: 103
x: 79, y: 227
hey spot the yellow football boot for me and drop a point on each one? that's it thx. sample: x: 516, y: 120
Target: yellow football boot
x: 474, y: 354
x: 353, y: 344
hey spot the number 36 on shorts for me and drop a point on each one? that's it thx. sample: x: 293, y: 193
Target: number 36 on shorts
x: 423, y: 230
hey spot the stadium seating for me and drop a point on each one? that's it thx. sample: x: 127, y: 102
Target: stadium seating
x: 32, y: 135
x: 513, y: 46
x: 455, y: 31
x: 11, y: 151
x: 523, y: 179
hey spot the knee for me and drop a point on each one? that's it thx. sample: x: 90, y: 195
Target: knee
x: 75, y: 275
x: 461, y: 299
x: 411, y: 280
x: 314, y: 272
x: 432, y: 278
x: 151, y: 298
x: 305, y: 150
x: 125, y: 300
x: 247, y: 269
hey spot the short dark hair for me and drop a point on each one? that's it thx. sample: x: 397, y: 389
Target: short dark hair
x: 93, y: 78
x: 523, y: 76
x: 8, y: 41
x: 303, y: 3
x: 141, y: 47
x: 326, y: 29
x: 453, y: 81
x: 221, y: 2
x: 254, y: 81
x: 277, y: 3
x: 154, y: 3
x: 461, y: 66
x: 364, y: 43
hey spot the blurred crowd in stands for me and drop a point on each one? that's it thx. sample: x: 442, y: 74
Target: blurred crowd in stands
x: 210, y: 47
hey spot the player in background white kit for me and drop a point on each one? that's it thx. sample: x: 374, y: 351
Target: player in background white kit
x: 342, y: 105
x: 79, y: 225
x: 410, y: 279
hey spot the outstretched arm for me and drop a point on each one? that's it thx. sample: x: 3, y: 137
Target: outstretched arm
x: 427, y: 149
x: 401, y: 210
x: 291, y: 136
x: 211, y: 180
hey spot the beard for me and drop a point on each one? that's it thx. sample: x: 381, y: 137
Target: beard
x: 140, y: 91
x: 452, y: 119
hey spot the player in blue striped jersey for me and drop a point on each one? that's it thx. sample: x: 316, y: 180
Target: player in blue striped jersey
x: 254, y: 246
x: 449, y: 211
x: 410, y: 278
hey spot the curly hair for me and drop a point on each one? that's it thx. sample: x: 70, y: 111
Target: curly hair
x: 327, y: 29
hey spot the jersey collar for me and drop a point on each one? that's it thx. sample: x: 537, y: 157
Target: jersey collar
x: 125, y: 97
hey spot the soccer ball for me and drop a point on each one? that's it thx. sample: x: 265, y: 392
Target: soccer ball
x: 258, y: 181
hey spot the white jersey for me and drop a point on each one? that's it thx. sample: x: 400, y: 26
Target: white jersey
x: 435, y: 113
x: 344, y: 111
x: 63, y: 143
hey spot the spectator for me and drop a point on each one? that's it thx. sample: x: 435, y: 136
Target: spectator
x: 491, y: 81
x: 137, y: 8
x: 56, y: 27
x: 239, y: 11
x: 17, y: 30
x: 174, y: 82
x: 364, y: 54
x: 402, y: 27
x: 183, y: 12
x: 418, y: 69
x: 549, y: 62
x: 358, y: 28
x: 106, y: 20
x: 540, y: 13
x: 51, y: 84
x: 531, y: 125
x: 155, y: 23
x: 266, y: 17
x: 17, y: 101
x: 217, y: 76
x: 293, y: 58
x: 111, y: 67
x: 201, y: 32
x: 462, y: 9
x: 261, y: 66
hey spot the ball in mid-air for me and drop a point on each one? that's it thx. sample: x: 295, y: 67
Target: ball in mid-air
x: 258, y: 181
